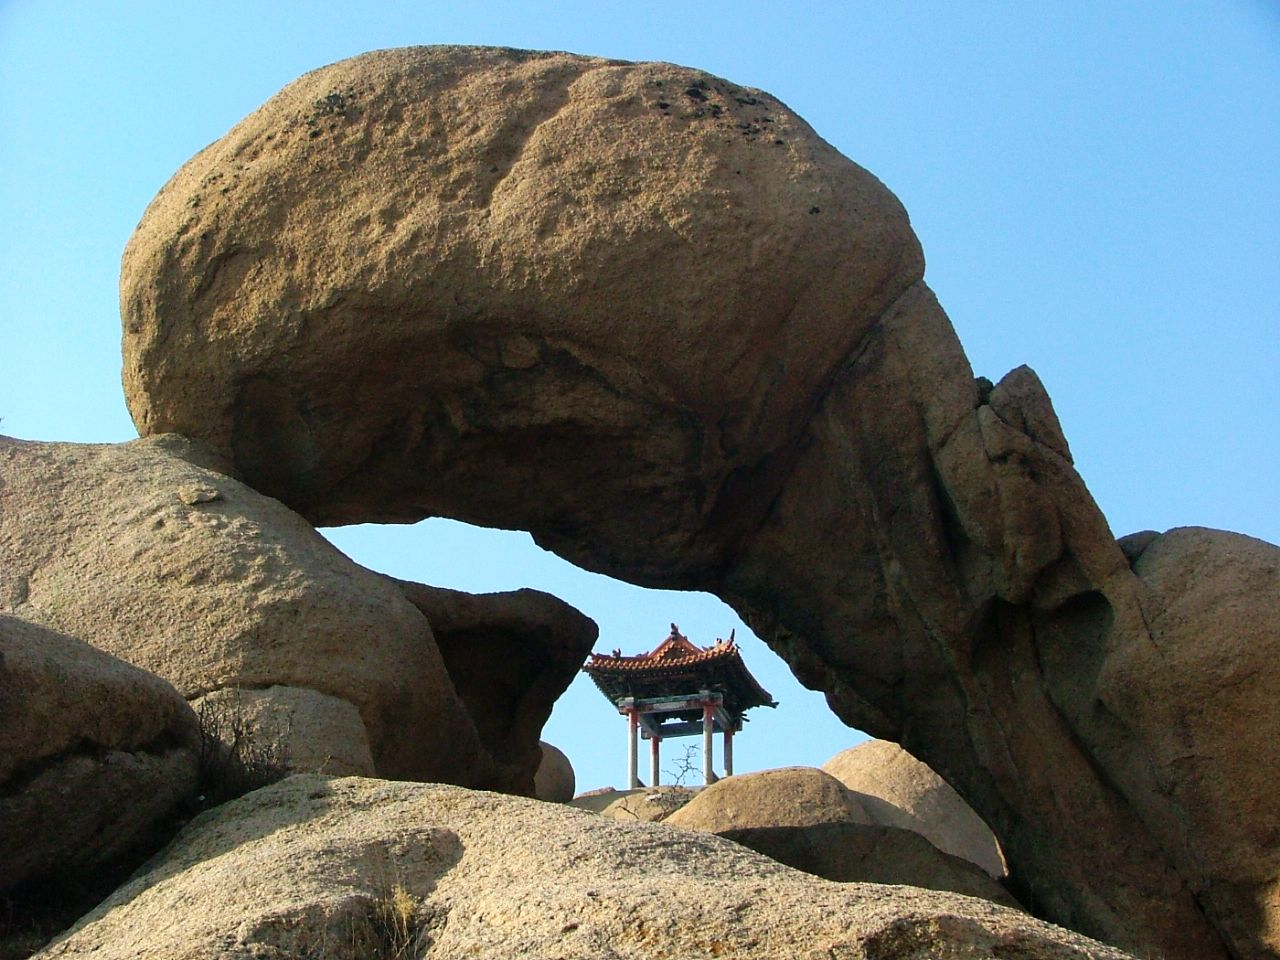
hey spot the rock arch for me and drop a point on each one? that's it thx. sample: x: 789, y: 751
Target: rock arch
x: 652, y: 318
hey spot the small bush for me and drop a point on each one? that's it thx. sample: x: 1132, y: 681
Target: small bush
x: 390, y: 930
x: 235, y: 758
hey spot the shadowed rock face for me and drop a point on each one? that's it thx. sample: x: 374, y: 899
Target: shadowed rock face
x: 94, y: 755
x: 554, y: 780
x: 510, y: 655
x: 652, y: 318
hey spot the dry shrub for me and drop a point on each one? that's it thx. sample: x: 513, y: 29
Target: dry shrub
x: 235, y: 757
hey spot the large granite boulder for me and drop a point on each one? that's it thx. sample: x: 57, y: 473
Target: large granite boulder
x: 553, y: 781
x: 556, y: 293
x: 897, y: 790
x: 807, y: 819
x: 353, y: 868
x: 869, y: 853
x: 785, y: 797
x: 652, y: 318
x: 1201, y: 697
x: 188, y: 573
x: 95, y: 755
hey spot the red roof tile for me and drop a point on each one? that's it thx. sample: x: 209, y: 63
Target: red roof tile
x: 678, y: 666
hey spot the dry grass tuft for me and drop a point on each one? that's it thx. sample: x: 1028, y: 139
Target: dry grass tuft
x: 390, y: 930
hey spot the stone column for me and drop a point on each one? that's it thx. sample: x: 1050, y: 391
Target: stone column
x: 728, y: 752
x: 654, y: 748
x: 708, y: 726
x: 633, y: 734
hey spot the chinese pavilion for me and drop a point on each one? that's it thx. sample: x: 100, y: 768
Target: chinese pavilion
x: 679, y: 690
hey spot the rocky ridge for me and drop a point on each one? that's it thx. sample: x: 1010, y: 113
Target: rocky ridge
x: 308, y: 866
x: 148, y: 554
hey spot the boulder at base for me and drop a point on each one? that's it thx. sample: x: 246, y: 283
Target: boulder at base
x: 807, y: 819
x: 900, y: 791
x: 340, y: 869
x: 870, y: 854
x: 554, y: 781
x: 648, y: 804
x: 787, y: 796
x: 94, y: 754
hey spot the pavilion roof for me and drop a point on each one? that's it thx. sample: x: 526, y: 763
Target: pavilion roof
x: 677, y: 666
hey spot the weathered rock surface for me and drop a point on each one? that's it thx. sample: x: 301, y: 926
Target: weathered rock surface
x: 626, y: 286
x: 554, y: 780
x: 306, y: 868
x: 807, y: 819
x: 967, y: 611
x: 191, y: 575
x: 510, y: 655
x: 786, y: 797
x: 94, y: 753
x: 309, y: 731
x: 868, y: 853
x: 645, y: 804
x: 1202, y: 698
x: 650, y: 317
x: 897, y: 790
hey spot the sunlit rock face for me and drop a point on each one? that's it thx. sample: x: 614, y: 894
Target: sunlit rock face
x: 900, y: 791
x: 424, y: 280
x: 651, y: 317
x: 143, y: 551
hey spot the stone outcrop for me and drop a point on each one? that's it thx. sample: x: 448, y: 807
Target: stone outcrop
x: 94, y: 755
x: 785, y: 797
x: 510, y: 655
x: 1201, y: 696
x: 554, y: 780
x: 807, y: 819
x: 645, y: 804
x: 308, y: 731
x: 897, y: 790
x: 189, y: 574
x: 347, y: 868
x: 652, y: 318
x: 869, y: 853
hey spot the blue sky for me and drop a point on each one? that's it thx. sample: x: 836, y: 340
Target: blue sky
x: 1095, y: 184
